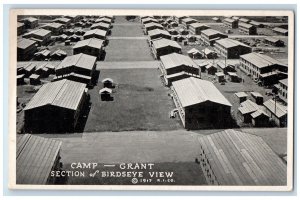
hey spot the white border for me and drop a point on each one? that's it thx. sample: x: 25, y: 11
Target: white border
x: 12, y: 96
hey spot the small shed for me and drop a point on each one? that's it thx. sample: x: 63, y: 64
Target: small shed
x: 246, y: 109
x: 211, y: 69
x: 34, y: 79
x: 105, y: 94
x: 20, y: 79
x: 260, y: 118
x: 67, y: 42
x: 107, y: 83
x: 220, y: 77
x: 209, y: 54
x: 242, y: 96
x: 194, y: 53
x: 259, y: 99
x: 233, y: 77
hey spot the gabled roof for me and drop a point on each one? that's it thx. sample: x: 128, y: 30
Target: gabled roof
x: 25, y: 43
x: 256, y: 94
x: 29, y: 19
x: 101, y: 24
x: 260, y: 60
x: 79, y: 60
x: 279, y: 110
x: 210, y: 32
x: 191, y: 91
x: 241, y: 94
x: 229, y: 20
x: 104, y: 19
x: 244, y: 20
x: 105, y: 91
x: 207, y: 51
x: 280, y: 30
x: 35, y: 158
x: 238, y: 158
x: 188, y: 19
x: 39, y: 32
x: 229, y: 43
x: 91, y: 42
x: 193, y: 51
x: 160, y: 43
x: 248, y: 106
x: 175, y: 59
x: 153, y: 25
x: 62, y: 19
x: 158, y: 32
x: 284, y: 81
x: 53, y: 25
x: 198, y: 25
x: 107, y: 80
x: 96, y: 32
x: 258, y: 113
x: 273, y: 39
x: 64, y: 93
x: 245, y: 25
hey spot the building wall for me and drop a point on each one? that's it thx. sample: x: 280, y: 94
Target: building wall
x: 280, y: 122
x: 283, y: 92
x: 165, y: 50
x: 26, y: 54
x: 197, y: 30
x: 248, y: 31
x: 89, y: 51
x: 54, y: 31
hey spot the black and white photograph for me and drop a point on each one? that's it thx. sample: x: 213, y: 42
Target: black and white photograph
x: 152, y: 99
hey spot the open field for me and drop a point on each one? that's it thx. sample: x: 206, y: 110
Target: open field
x: 128, y: 50
x: 127, y: 30
x: 140, y: 103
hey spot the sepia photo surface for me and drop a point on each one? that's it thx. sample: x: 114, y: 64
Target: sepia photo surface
x: 151, y: 100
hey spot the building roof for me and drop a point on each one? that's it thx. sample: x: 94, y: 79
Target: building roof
x: 280, y: 30
x: 158, y: 32
x: 255, y: 23
x: 153, y: 25
x: 193, y: 51
x: 209, y: 65
x: 284, y: 81
x: 96, y: 32
x: 241, y: 94
x: 105, y: 91
x: 219, y: 74
x: 149, y: 19
x: 101, y: 24
x: 59, y: 52
x: 35, y: 158
x: 54, y: 25
x: 248, y: 106
x: 229, y: 20
x: 62, y: 19
x: 107, y: 80
x: 40, y: 32
x: 175, y: 60
x: 256, y: 94
x: 25, y: 43
x: 244, y: 20
x: 161, y: 43
x: 191, y: 91
x: 210, y: 32
x: 104, y: 19
x: 273, y: 39
x: 221, y: 64
x: 260, y: 60
x: 215, y: 18
x: 64, y: 93
x: 34, y: 76
x: 279, y: 110
x: 232, y: 74
x: 235, y: 17
x: 207, y: 51
x: 238, y: 158
x: 229, y: 43
x: 188, y: 20
x: 79, y: 60
x: 245, y: 25
x: 30, y: 19
x: 91, y: 42
x: 198, y: 25
x: 19, y: 24
x: 258, y: 113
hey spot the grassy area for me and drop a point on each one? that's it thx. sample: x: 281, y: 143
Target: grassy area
x: 140, y: 103
x: 127, y: 30
x: 128, y: 50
